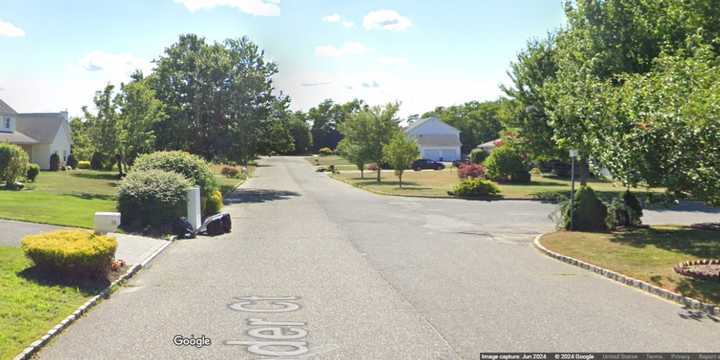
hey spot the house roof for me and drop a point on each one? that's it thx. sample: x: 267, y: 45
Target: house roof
x: 16, y: 138
x: 438, y: 140
x: 423, y: 121
x: 6, y: 109
x: 42, y: 127
x: 489, y: 145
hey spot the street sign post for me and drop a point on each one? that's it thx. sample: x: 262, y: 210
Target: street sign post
x: 573, y: 155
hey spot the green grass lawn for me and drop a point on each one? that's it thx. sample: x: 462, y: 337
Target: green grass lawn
x: 30, y: 305
x: 71, y: 198
x: 646, y: 254
x: 68, y: 198
x: 430, y: 183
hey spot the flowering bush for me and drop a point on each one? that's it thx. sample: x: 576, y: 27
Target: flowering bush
x: 471, y: 171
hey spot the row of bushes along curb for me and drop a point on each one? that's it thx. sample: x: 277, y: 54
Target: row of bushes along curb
x: 627, y: 280
x: 31, y: 350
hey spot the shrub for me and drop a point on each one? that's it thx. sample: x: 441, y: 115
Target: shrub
x: 521, y: 177
x: 472, y: 171
x: 214, y: 203
x: 503, y: 163
x: 477, y: 156
x: 96, y: 162
x: 475, y: 188
x: 230, y: 171
x: 151, y: 198
x: 71, y: 252
x: 54, y: 162
x: 83, y: 164
x: 624, y: 211
x: 13, y: 163
x: 72, y: 161
x: 326, y: 151
x: 32, y: 172
x: 590, y: 213
x: 535, y: 171
x: 190, y: 166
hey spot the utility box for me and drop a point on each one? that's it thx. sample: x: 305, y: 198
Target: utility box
x: 194, y: 209
x: 106, y: 222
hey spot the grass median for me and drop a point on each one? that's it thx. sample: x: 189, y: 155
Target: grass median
x: 646, y: 254
x: 31, y: 304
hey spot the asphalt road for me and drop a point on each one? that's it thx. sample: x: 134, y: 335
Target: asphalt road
x: 12, y: 232
x: 363, y: 276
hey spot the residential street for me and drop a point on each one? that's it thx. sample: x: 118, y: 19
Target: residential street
x: 376, y: 277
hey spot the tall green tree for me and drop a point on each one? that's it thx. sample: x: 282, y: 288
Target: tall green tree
x: 300, y: 133
x: 372, y: 129
x: 102, y: 125
x: 326, y: 120
x: 355, y: 154
x: 139, y: 111
x: 82, y: 146
x: 219, y: 97
x: 526, y: 111
x: 400, y: 154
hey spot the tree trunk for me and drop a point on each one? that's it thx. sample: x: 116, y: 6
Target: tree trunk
x: 362, y: 172
x: 378, y: 172
x: 400, y: 177
x: 584, y: 172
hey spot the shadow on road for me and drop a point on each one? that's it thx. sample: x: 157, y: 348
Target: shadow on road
x: 258, y: 196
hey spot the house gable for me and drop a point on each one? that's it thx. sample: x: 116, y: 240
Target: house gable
x: 431, y: 125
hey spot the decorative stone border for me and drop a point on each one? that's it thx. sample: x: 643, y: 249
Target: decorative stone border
x: 104, y: 294
x: 629, y: 281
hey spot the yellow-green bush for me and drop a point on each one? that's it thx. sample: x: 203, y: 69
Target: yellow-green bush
x: 71, y: 252
x: 83, y: 164
x: 214, y: 203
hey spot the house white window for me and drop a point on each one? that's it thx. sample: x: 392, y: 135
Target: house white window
x: 7, y: 123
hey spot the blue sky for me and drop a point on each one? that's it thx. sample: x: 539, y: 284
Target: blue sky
x: 55, y: 54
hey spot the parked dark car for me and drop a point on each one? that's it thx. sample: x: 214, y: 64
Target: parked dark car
x: 457, y: 163
x: 421, y: 164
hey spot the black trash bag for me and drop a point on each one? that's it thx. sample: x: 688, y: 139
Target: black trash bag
x: 217, y: 224
x: 183, y: 229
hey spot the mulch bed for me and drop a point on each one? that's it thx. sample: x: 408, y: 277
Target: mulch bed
x: 700, y: 269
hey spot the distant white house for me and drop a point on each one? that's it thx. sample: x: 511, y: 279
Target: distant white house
x: 489, y: 146
x: 39, y: 134
x: 436, y: 139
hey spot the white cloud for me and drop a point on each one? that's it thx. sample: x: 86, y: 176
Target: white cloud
x: 349, y: 48
x: 252, y: 7
x: 392, y: 60
x: 9, y: 30
x: 334, y: 18
x: 337, y: 19
x: 386, y: 20
x: 114, y: 67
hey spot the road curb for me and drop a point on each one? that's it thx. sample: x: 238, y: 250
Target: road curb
x: 629, y: 281
x: 104, y: 294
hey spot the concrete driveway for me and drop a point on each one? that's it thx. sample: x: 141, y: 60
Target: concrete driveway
x: 12, y: 232
x: 353, y: 275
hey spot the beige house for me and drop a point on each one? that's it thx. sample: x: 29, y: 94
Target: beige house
x: 39, y: 134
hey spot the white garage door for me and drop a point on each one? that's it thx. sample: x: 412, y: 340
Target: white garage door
x: 447, y: 154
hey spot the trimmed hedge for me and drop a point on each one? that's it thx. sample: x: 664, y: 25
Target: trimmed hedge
x: 151, y: 198
x: 475, y: 188
x: 472, y: 171
x: 54, y: 162
x: 83, y: 164
x: 71, y: 252
x: 590, y: 213
x: 214, y: 203
x: 505, y: 164
x: 326, y: 151
x: 190, y: 166
x: 33, y: 170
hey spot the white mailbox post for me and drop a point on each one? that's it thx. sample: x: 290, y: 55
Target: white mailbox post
x: 194, y: 210
x: 106, y: 222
